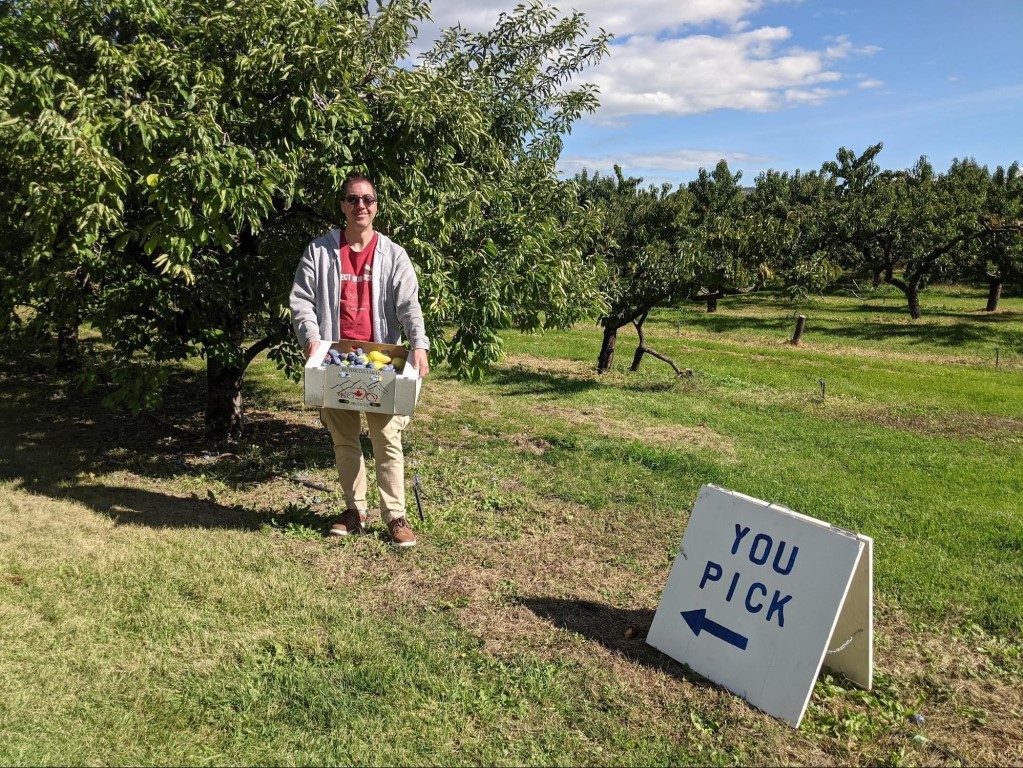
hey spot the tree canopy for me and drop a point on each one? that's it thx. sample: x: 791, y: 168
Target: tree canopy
x: 166, y: 162
x: 908, y: 226
x: 647, y: 242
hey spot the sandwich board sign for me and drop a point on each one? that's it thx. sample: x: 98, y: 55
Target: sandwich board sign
x: 760, y: 597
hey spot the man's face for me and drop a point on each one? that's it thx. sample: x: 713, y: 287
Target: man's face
x: 359, y: 204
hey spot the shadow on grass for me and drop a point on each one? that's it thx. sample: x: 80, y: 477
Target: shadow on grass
x: 135, y: 506
x: 521, y: 380
x: 969, y: 328
x: 722, y: 322
x: 527, y: 381
x: 619, y: 630
x: 54, y: 441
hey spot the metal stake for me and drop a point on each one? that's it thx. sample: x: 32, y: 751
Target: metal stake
x: 419, y: 502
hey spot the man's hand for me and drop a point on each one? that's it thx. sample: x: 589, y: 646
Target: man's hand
x: 421, y: 360
x: 310, y: 348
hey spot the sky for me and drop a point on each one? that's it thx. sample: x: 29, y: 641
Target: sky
x: 783, y: 84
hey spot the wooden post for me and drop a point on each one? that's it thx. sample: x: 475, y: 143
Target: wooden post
x: 800, y: 324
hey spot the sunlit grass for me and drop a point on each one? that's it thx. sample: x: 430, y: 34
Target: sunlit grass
x: 164, y: 603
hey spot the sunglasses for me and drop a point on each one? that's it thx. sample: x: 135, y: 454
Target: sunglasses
x: 366, y: 200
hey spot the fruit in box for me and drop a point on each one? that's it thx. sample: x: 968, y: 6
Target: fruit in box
x: 374, y: 360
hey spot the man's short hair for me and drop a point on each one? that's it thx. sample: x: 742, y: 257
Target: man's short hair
x: 353, y: 177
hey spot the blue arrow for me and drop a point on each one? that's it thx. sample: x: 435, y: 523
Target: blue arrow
x: 698, y: 621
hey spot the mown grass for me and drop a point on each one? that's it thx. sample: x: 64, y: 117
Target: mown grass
x: 924, y: 456
x: 165, y: 603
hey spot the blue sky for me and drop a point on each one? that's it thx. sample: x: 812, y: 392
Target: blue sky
x: 784, y: 83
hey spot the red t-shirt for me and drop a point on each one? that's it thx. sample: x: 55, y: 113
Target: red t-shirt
x: 357, y: 290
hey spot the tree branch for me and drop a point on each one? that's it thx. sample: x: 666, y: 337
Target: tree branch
x: 264, y: 344
x: 642, y: 349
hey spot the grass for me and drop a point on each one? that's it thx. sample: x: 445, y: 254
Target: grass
x: 165, y: 603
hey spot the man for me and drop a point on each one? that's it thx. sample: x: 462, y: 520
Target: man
x: 358, y: 284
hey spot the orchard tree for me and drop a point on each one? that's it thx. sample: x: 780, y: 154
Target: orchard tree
x: 699, y: 242
x: 1000, y: 256
x: 63, y: 187
x: 797, y: 247
x: 224, y: 129
x: 858, y: 229
x: 909, y: 226
x: 215, y: 128
x: 718, y: 211
x: 944, y: 215
x: 506, y: 245
x: 650, y: 248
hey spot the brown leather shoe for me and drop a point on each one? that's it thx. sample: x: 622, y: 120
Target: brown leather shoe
x: 401, y: 533
x: 352, y: 521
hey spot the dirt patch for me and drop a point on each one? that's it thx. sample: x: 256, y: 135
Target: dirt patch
x: 952, y: 425
x: 563, y: 597
x: 969, y: 686
x: 607, y: 424
x: 450, y: 398
x: 549, y: 365
x: 534, y: 445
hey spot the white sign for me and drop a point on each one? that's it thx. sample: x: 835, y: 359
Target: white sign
x: 759, y: 596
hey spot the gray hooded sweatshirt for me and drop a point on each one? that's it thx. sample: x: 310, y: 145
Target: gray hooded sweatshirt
x: 316, y: 294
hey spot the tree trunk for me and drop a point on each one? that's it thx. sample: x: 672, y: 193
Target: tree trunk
x: 69, y: 320
x: 223, y: 401
x: 710, y: 299
x: 913, y: 299
x: 637, y: 358
x: 68, y: 347
x: 911, y: 289
x: 607, y: 349
x: 226, y: 367
x: 994, y: 292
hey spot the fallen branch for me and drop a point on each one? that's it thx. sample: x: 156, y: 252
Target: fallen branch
x: 309, y: 483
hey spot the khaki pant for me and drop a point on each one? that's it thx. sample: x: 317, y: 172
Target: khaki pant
x: 385, y: 434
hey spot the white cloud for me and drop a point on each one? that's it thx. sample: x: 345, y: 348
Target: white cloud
x: 660, y: 65
x: 677, y: 161
x: 841, y: 47
x: 871, y: 83
x: 700, y: 73
x: 620, y: 17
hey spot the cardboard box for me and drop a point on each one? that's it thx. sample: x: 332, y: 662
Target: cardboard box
x: 358, y: 389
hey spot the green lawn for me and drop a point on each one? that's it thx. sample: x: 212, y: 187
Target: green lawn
x: 167, y: 603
